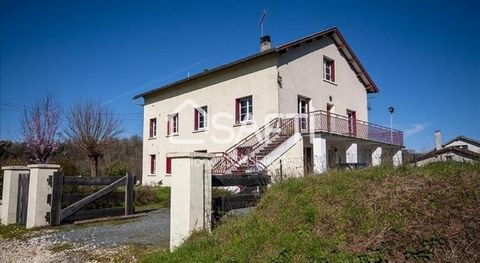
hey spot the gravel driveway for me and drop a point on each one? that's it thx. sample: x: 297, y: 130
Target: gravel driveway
x: 112, y: 241
x: 152, y: 229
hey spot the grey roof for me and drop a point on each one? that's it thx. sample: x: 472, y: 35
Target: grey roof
x: 339, y: 41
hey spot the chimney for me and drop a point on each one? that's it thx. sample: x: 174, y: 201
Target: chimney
x: 438, y: 140
x: 264, y: 43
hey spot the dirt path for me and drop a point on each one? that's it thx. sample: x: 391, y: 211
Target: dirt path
x: 113, y: 241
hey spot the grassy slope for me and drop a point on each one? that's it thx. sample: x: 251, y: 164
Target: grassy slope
x: 430, y: 213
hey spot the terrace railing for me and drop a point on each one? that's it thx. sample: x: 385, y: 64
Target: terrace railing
x: 323, y: 121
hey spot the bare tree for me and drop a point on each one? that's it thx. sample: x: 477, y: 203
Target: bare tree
x: 40, y: 124
x: 92, y: 127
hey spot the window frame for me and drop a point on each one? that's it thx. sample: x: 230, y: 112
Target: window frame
x: 329, y: 64
x: 153, y: 164
x: 248, y: 107
x: 199, y: 124
x: 152, y: 128
x: 173, y: 124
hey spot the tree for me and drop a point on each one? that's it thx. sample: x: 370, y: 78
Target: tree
x: 40, y: 124
x: 92, y: 127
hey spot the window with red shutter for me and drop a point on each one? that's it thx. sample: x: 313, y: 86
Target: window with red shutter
x: 153, y: 163
x: 328, y: 69
x: 200, y: 118
x: 168, y: 165
x: 244, y: 109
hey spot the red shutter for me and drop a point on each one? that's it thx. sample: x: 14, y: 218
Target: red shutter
x: 168, y: 165
x: 152, y: 164
x: 332, y: 69
x: 168, y: 125
x: 354, y: 117
x: 195, y: 120
x: 237, y: 111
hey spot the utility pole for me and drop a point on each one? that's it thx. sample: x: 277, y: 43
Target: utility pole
x: 391, y: 110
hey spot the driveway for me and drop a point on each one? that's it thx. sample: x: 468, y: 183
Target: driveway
x: 111, y: 241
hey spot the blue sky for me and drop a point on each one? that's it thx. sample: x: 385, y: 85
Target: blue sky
x: 423, y: 55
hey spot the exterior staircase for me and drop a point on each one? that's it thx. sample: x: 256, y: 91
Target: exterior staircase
x: 246, y: 156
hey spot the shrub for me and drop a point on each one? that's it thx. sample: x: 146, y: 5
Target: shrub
x: 144, y: 195
x: 117, y: 169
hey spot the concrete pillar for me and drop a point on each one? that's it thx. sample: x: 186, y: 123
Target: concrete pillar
x: 377, y: 156
x: 352, y: 153
x: 38, y: 192
x: 191, y: 196
x: 11, y: 176
x: 319, y: 154
x: 397, y: 158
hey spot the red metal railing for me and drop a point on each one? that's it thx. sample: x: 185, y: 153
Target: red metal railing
x: 241, y: 156
x: 322, y: 121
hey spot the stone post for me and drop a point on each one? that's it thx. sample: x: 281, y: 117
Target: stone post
x: 377, y: 156
x: 191, y: 197
x: 11, y: 176
x: 397, y: 158
x: 38, y: 192
x: 319, y: 154
x: 352, y: 153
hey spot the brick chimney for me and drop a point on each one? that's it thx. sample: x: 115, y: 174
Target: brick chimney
x: 265, y: 43
x: 438, y: 140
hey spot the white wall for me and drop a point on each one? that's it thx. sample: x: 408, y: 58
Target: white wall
x: 218, y: 91
x: 470, y: 146
x: 443, y: 157
x: 301, y: 70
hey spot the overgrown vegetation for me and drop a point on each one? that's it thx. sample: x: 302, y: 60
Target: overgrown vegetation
x: 149, y: 197
x: 13, y: 231
x: 374, y: 215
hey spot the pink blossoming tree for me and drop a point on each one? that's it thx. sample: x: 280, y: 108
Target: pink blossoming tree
x: 40, y: 124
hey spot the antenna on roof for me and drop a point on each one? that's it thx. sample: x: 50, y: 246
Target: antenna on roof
x: 262, y: 19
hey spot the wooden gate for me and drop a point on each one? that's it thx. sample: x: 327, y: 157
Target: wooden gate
x: 68, y: 207
x: 22, y: 200
x: 252, y: 185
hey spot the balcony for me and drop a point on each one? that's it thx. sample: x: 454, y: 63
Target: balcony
x: 322, y: 121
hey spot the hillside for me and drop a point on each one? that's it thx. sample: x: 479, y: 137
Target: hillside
x: 374, y: 215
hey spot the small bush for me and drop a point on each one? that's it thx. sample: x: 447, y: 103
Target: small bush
x: 149, y: 195
x: 117, y: 169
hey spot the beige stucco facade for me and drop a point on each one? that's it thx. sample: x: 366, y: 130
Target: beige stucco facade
x: 274, y: 80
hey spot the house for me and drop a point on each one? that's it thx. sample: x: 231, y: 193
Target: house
x: 304, y: 102
x: 460, y: 149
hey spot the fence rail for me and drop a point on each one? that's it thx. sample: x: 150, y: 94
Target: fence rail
x: 76, y: 201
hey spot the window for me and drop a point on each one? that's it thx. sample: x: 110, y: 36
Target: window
x: 352, y: 122
x: 172, y: 124
x: 329, y: 69
x: 153, y: 128
x: 168, y: 165
x: 303, y: 110
x: 244, y: 110
x: 153, y: 163
x: 200, y: 118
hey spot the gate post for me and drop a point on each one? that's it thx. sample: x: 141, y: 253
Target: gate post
x: 38, y: 191
x: 11, y: 176
x: 191, y: 195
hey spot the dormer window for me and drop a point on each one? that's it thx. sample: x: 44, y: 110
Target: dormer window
x: 329, y: 69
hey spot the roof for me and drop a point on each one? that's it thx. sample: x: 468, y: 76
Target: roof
x: 333, y: 32
x: 457, y: 150
x: 465, y: 139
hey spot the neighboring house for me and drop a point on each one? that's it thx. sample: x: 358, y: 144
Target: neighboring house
x: 460, y: 149
x: 305, y: 100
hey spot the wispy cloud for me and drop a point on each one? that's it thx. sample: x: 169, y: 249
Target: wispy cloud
x: 418, y: 127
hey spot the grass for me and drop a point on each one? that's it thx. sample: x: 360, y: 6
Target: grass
x: 381, y: 214
x: 60, y: 247
x: 13, y: 231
